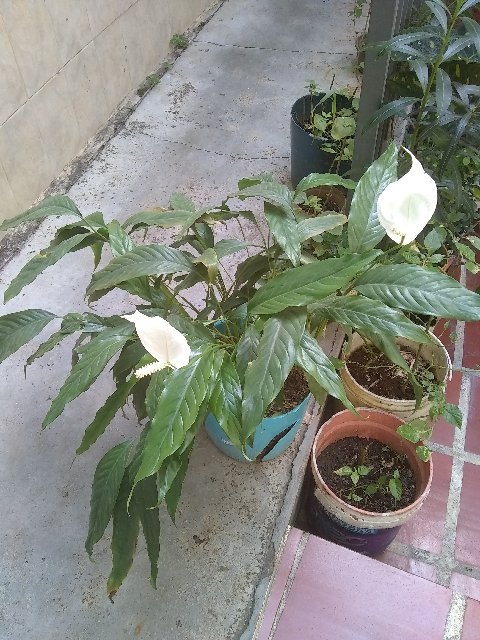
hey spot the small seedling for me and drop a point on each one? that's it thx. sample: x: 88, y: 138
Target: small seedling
x: 179, y: 41
x: 384, y: 483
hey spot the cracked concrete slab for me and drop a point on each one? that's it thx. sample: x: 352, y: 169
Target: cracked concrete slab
x: 217, y: 562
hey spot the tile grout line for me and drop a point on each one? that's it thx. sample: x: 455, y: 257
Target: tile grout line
x: 466, y: 456
x: 428, y: 557
x: 455, y: 617
x: 288, y: 584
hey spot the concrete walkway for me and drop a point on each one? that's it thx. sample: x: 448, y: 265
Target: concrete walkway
x: 220, y: 114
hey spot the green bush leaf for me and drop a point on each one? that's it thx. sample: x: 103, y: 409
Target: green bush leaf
x: 443, y: 91
x: 413, y: 288
x: 177, y: 410
x: 50, y: 206
x: 415, y: 431
x: 423, y: 453
x: 147, y: 260
x: 315, y: 226
x: 311, y: 358
x: 94, y: 358
x: 372, y: 315
x: 144, y: 504
x: 247, y: 350
x: 106, y: 484
x: 364, y: 229
x: 435, y: 239
x: 225, y: 248
x: 71, y: 323
x: 272, y: 192
x: 452, y: 414
x: 226, y: 402
x: 165, y: 219
x: 126, y: 527
x: 106, y: 414
x: 120, y: 241
x: 283, y: 227
x: 344, y: 471
x: 315, y: 180
x: 308, y: 283
x: 265, y: 376
x: 18, y: 328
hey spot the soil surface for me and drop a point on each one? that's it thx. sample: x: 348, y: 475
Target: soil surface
x: 374, y: 371
x: 294, y: 392
x: 383, y: 460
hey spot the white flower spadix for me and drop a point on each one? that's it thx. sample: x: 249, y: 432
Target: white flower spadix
x: 168, y: 346
x: 406, y: 205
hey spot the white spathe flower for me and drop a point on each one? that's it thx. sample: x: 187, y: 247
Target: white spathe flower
x: 406, y: 205
x: 162, y: 341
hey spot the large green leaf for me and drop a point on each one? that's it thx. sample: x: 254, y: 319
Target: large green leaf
x: 315, y: 180
x: 173, y: 464
x: 120, y: 244
x: 147, y: 260
x: 144, y: 504
x: 106, y: 484
x: 265, y: 376
x: 363, y: 313
x: 71, y: 323
x: 283, y: 227
x: 129, y: 358
x: 126, y: 527
x: 154, y: 391
x: 50, y: 206
x: 413, y: 288
x: 315, y: 226
x: 247, y: 349
x: 252, y: 268
x: 272, y: 192
x: 172, y: 497
x: 443, y: 91
x: 46, y: 258
x: 364, y: 229
x: 226, y: 402
x: 176, y: 412
x: 311, y: 358
x: 18, y: 328
x: 94, y: 358
x: 225, y: 248
x: 308, y: 283
x: 164, y: 218
x: 106, y: 414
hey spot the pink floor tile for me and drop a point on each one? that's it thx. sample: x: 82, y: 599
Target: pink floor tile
x: 410, y: 565
x: 425, y: 530
x: 472, y: 440
x: 279, y: 582
x: 340, y: 595
x: 468, y: 527
x: 471, y: 622
x: 471, y: 348
x: 443, y: 432
x: 466, y: 585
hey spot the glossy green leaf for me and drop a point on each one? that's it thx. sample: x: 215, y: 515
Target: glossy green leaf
x: 225, y: 248
x: 387, y: 345
x: 172, y: 496
x: 120, y: 241
x: 443, y: 91
x: 50, y: 206
x: 423, y: 453
x: 94, y: 358
x: 163, y: 218
x: 247, y: 350
x: 364, y: 229
x: 397, y: 107
x: 283, y: 227
x: 181, y: 202
x: 126, y: 527
x: 106, y: 414
x: 46, y: 258
x: 154, y: 391
x: 421, y: 71
x: 413, y: 288
x: 468, y: 4
x: 308, y: 283
x: 315, y: 180
x: 416, y: 430
x: 311, y: 358
x: 176, y: 412
x: 226, y: 402
x: 106, y: 484
x: 147, y: 260
x: 265, y: 376
x: 18, y: 328
x: 312, y: 227
x: 456, y: 46
x: 71, y: 323
x: 440, y: 14
x: 473, y: 30
x: 435, y: 239
x: 272, y: 192
x: 128, y: 359
x: 144, y: 504
x: 372, y: 315
x: 252, y: 268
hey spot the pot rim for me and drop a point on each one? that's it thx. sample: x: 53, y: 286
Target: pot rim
x: 356, y: 510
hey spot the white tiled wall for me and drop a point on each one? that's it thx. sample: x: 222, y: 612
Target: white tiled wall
x: 65, y: 65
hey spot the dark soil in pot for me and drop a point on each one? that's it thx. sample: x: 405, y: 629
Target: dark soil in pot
x: 382, y: 461
x: 374, y: 371
x: 294, y: 392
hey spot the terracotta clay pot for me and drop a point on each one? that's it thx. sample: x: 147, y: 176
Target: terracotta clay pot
x: 364, y: 531
x: 359, y: 396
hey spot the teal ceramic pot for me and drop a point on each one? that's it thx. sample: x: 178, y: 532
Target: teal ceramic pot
x: 280, y: 430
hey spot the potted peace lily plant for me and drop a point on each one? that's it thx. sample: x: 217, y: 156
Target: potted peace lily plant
x: 230, y: 354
